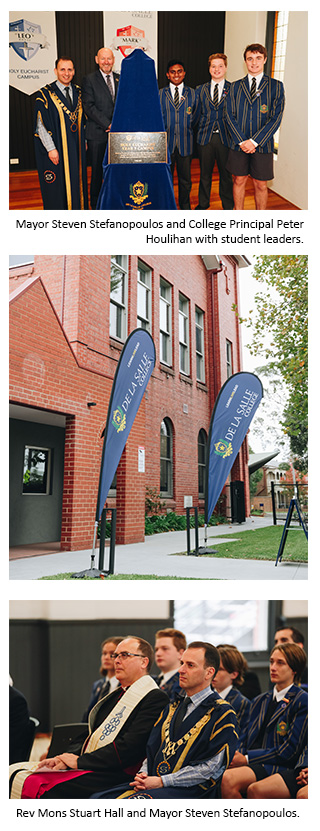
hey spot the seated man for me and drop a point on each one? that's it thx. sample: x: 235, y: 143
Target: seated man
x: 119, y: 728
x: 228, y: 680
x: 254, y: 110
x: 170, y: 645
x: 277, y: 729
x: 192, y: 742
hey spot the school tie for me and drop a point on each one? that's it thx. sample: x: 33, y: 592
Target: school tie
x: 253, y: 88
x: 68, y: 96
x: 181, y: 711
x: 109, y: 85
x: 216, y: 95
x: 176, y: 97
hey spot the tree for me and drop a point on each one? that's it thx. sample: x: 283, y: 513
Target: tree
x: 280, y: 336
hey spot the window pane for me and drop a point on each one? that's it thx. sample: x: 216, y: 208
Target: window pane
x: 240, y: 622
x: 35, y: 470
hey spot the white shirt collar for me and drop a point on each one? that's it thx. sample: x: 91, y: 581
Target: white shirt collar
x: 224, y: 692
x: 168, y: 675
x: 220, y: 84
x: 173, y: 87
x: 280, y: 694
x: 257, y: 77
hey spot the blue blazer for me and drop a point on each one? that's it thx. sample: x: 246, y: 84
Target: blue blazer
x: 241, y: 705
x: 258, y: 119
x: 285, y: 734
x: 211, y: 118
x: 172, y: 687
x: 178, y: 121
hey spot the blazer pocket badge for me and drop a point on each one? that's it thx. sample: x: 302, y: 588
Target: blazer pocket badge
x: 282, y: 728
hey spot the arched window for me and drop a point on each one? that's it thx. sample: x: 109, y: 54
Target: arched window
x: 166, y: 462
x: 202, y: 446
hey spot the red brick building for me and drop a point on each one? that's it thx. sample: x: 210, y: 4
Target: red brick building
x: 69, y: 317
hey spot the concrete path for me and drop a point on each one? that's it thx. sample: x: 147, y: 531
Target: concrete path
x: 156, y: 556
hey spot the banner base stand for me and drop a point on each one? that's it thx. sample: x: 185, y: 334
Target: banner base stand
x: 207, y: 551
x: 93, y: 573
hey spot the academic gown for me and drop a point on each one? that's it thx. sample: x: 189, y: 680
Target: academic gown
x: 63, y: 186
x: 209, y: 729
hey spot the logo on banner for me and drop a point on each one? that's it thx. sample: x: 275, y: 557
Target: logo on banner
x: 129, y: 38
x: 119, y: 420
x: 223, y: 448
x: 26, y: 38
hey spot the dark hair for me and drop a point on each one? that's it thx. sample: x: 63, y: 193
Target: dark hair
x: 256, y: 47
x: 211, y: 654
x: 145, y: 649
x: 233, y: 661
x: 116, y: 640
x: 173, y: 63
x: 64, y: 58
x: 178, y: 638
x: 297, y: 636
x: 295, y: 657
x: 218, y: 55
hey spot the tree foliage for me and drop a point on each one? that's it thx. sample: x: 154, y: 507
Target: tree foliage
x: 280, y: 336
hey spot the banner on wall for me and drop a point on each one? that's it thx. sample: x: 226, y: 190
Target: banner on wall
x: 32, y: 50
x: 133, y: 372
x: 126, y: 31
x: 234, y: 409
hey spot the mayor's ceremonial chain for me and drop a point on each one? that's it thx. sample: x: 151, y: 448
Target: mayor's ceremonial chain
x: 71, y: 114
x: 170, y: 747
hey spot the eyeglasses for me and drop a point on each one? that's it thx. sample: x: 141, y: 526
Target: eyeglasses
x: 124, y: 655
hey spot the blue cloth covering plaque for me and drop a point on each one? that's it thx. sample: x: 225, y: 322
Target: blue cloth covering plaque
x: 137, y: 110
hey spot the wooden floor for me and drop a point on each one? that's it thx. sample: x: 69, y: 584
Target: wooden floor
x: 25, y: 194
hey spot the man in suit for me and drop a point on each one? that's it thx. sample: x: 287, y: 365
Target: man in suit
x: 99, y: 91
x: 118, y: 731
x: 177, y: 105
x: 254, y: 111
x: 169, y: 646
x: 193, y: 740
x: 59, y: 141
x: 277, y: 730
x: 212, y: 141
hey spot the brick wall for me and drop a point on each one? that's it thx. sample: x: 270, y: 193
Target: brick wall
x: 66, y: 359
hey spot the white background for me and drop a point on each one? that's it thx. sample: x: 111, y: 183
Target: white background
x: 75, y: 243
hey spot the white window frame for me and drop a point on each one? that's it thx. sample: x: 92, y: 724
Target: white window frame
x: 144, y: 288
x: 229, y: 358
x: 199, y: 323
x: 184, y: 344
x: 119, y: 306
x: 165, y: 304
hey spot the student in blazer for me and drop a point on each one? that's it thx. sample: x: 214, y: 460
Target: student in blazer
x: 212, y: 139
x: 254, y: 111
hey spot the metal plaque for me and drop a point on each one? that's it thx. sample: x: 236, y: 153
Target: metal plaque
x: 137, y: 148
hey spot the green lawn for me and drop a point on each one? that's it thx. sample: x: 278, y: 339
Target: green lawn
x: 263, y: 544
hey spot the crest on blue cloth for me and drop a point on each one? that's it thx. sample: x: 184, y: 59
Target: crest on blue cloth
x: 27, y: 41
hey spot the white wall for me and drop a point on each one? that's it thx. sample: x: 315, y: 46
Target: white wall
x: 88, y: 609
x: 291, y: 166
x: 242, y: 28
